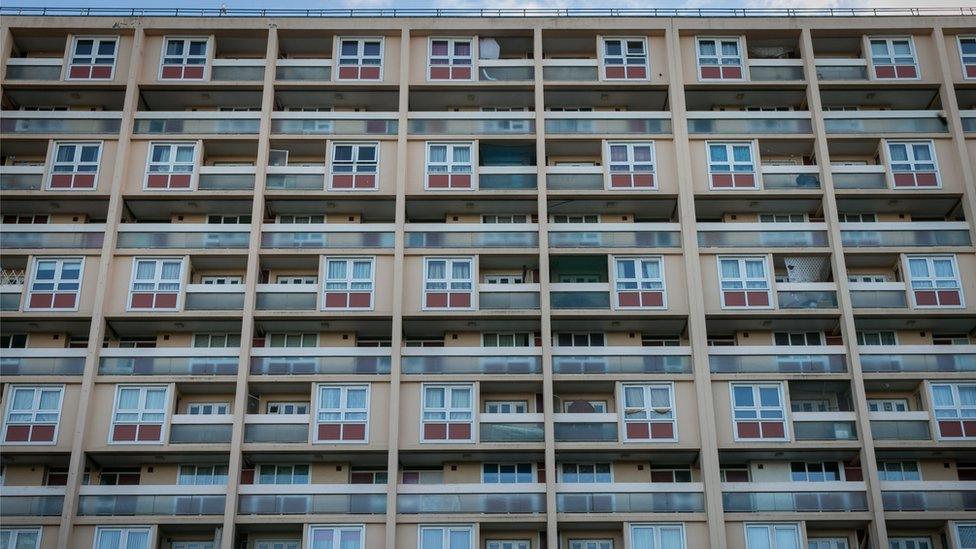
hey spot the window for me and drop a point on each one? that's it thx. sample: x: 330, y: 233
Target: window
x: 139, y: 414
x: 934, y: 281
x: 797, y: 338
x: 216, y: 340
x: 857, y: 217
x: 93, y: 58
x: 909, y: 543
x: 719, y: 58
x: 648, y: 412
x: 877, y: 338
x: 37, y: 219
x: 448, y: 413
x: 355, y: 166
x: 758, y: 412
x: 893, y: 58
x: 509, y: 544
x: 208, y: 408
x: 888, y: 404
x: 898, y: 470
x: 625, y: 59
x: 590, y: 544
x: 659, y: 341
x: 670, y: 474
x: 237, y: 219
x: 277, y: 544
x: 348, y: 283
x: 506, y: 473
x: 639, y: 282
x: 913, y: 164
x: 772, y: 536
x: 336, y: 537
x: 55, y: 284
x: 75, y: 165
x: 423, y: 476
x: 118, y: 538
x: 585, y: 473
x: 819, y: 471
x: 782, y: 218
x: 360, y: 59
x: 283, y: 474
x: 734, y: 474
x: 506, y: 407
x: 446, y: 537
x: 287, y: 408
x: 296, y: 279
x: 955, y: 409
x: 368, y: 475
x: 731, y: 165
x: 497, y: 279
x: 299, y: 219
x: 193, y: 545
x: 657, y: 536
x: 967, y: 54
x: 20, y: 538
x: 744, y: 282
x: 827, y: 543
x: 156, y: 283
x: 449, y: 59
x: 33, y: 414
x: 450, y: 165
x: 966, y: 534
x: 590, y: 218
x: 292, y: 340
x: 504, y: 219
x: 950, y: 339
x: 13, y: 341
x: 170, y: 166
x: 343, y: 413
x: 507, y: 339
x: 202, y: 475
x: 868, y: 278
x: 215, y: 280
x: 448, y: 283
x: 578, y: 406
x: 183, y: 59
x: 580, y: 339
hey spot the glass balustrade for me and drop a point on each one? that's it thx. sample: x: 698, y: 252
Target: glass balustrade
x: 311, y: 504
x: 900, y: 430
x: 796, y: 502
x: 511, y: 432
x: 145, y: 504
x: 191, y: 433
x: 650, y: 502
x: 471, y: 364
x: 308, y: 365
x: 495, y: 503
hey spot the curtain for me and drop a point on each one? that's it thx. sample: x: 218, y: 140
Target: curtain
x: 356, y: 399
x: 436, y: 270
x: 330, y: 398
x: 461, y: 398
x: 461, y: 270
x: 23, y: 399
x: 786, y: 538
x: 899, y: 153
x: 171, y: 271
x: 742, y: 153
x: 160, y: 154
x: 634, y: 397
x: 755, y: 269
x: 184, y: 155
x: 718, y: 153
x: 706, y: 48
x: 438, y: 153
x: 730, y: 48
x: 618, y: 153
x: 66, y: 153
x: 942, y: 396
x: 434, y: 398
x: 460, y: 539
x: 967, y: 395
x: 431, y: 539
x: 110, y: 539
x: 462, y: 155
x: 652, y: 269
x: 128, y: 399
x: 49, y: 400
x: 757, y: 537
x: 362, y: 270
x: 730, y: 269
x: 671, y: 538
x: 642, y: 538
x: 336, y: 270
x: 145, y: 270
x: 625, y: 268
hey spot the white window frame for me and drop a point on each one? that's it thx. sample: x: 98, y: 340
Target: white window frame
x: 897, y: 466
x: 337, y: 529
x: 630, y: 162
x: 920, y: 542
x: 195, y: 474
x: 359, y: 57
x: 890, y: 55
x: 655, y: 284
x: 959, y: 411
x: 219, y: 408
x: 185, y: 56
x: 602, y: 50
x: 962, y: 56
x: 744, y: 279
x: 508, y: 543
x: 561, y: 476
x: 346, y: 414
x: 513, y: 404
x: 445, y: 530
x: 16, y: 532
x: 125, y: 531
x: 893, y: 403
x: 286, y: 335
x: 758, y: 408
x: 291, y: 475
x: 578, y: 543
x: 193, y: 544
x: 720, y: 57
x: 449, y: 166
x: 171, y: 164
x: 771, y: 528
x: 269, y: 543
x: 827, y: 543
x: 141, y: 411
x: 349, y: 281
x: 296, y: 279
x: 504, y: 219
x: 34, y: 411
x: 56, y: 281
x: 283, y: 406
x: 96, y: 41
x: 913, y: 162
x: 732, y: 163
x: 448, y: 410
x: 451, y: 57
x: 934, y: 280
x: 222, y: 337
x: 499, y: 335
x: 656, y: 528
x: 75, y: 164
x: 532, y: 472
x: 650, y: 415
x: 156, y: 281
x: 449, y: 281
x: 355, y: 163
x: 954, y: 532
x: 218, y: 280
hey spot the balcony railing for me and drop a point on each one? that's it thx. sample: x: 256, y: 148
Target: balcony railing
x: 67, y: 236
x: 34, y: 68
x: 226, y: 178
x: 319, y: 70
x: 806, y: 359
x: 494, y: 499
x: 200, y: 429
x: 151, y: 500
x: 806, y: 295
x: 211, y: 297
x: 570, y: 70
x: 183, y: 235
x: 762, y: 235
x: 884, y: 122
x: 237, y: 70
x: 511, y: 428
x: 507, y: 178
x: 471, y: 360
x: 21, y: 178
x: 287, y: 297
x: 775, y: 70
x: 508, y: 296
x: 878, y: 295
x: 871, y: 176
x: 595, y: 295
x: 334, y: 123
x: 818, y: 426
x: 585, y: 427
x: 614, y: 235
x: 918, y: 358
x: 168, y: 361
x: 900, y: 426
x: 608, y: 122
x: 312, y: 499
x: 916, y: 234
x: 630, y: 497
x: 928, y: 496
x: 794, y: 497
x: 472, y: 235
x: 471, y: 123
x: 42, y: 362
x: 10, y: 295
x: 829, y: 68
x: 276, y: 428
x: 196, y: 123
x: 621, y: 360
x: 295, y: 178
x: 749, y: 122
x: 320, y: 361
x: 506, y: 70
x: 800, y: 178
x: 60, y: 122
x: 575, y: 178
x: 327, y: 235
x: 31, y: 501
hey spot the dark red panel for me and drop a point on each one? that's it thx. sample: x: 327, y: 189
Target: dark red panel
x: 885, y: 71
x: 773, y: 429
x: 124, y: 433
x: 360, y: 300
x: 435, y: 431
x: 60, y: 181
x: 369, y: 73
x: 950, y: 428
x: 365, y: 181
x: 330, y: 431
x: 461, y: 73
x: 336, y: 299
x: 438, y: 181
x: 354, y: 431
x: 758, y: 299
x: 101, y: 71
x: 906, y: 71
x: 460, y: 300
x: 42, y: 433
x: 615, y: 71
x: 460, y: 181
x: 721, y: 180
x: 711, y: 72
x: 629, y: 299
x: 643, y: 180
x: 438, y: 299
x: 638, y: 431
x: 946, y: 297
x: 142, y: 301
x: 149, y: 433
x: 64, y: 301
x: 732, y: 72
x: 926, y: 298
x: 637, y: 72
x: 459, y: 431
x: 747, y: 429
x: 166, y: 301
x: 79, y: 71
x: 194, y: 73
x: 41, y: 301
x: 342, y: 181
x: 173, y: 71
x: 652, y: 299
x: 662, y: 430
x: 735, y: 299
x: 18, y: 433
x: 440, y: 73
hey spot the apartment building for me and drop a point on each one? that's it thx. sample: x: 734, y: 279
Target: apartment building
x: 614, y: 282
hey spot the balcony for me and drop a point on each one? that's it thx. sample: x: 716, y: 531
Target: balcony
x: 615, y: 235
x: 200, y: 429
x: 355, y: 124
x: 183, y: 236
x: 495, y: 499
x: 841, y: 69
x: 748, y: 123
x: 304, y: 70
x: 872, y: 176
x: 511, y: 428
x: 621, y: 360
x: 287, y: 297
x: 884, y: 123
x: 42, y: 362
x: 878, y: 295
x: 570, y: 70
x: 806, y: 295
x: 472, y: 235
x: 824, y: 426
x: 918, y: 358
x: 276, y: 428
x: 575, y: 178
x: 31, y: 501
x: 594, y: 295
x: 496, y: 297
x: 10, y: 295
x: 105, y: 123
x: 173, y: 123
x: 236, y: 70
x: 916, y: 234
x: 608, y: 122
x: 775, y: 70
x: 794, y: 497
x: 790, y: 178
x: 806, y: 359
x: 295, y: 178
x: 211, y: 297
x: 272, y: 361
x: 21, y: 178
x: 151, y: 500
x: 226, y: 178
x: 328, y: 236
x: 471, y: 123
x: 312, y: 499
x: 585, y: 427
x: 168, y: 361
x: 507, y: 178
x: 506, y: 70
x: 900, y: 426
x: 630, y: 497
x: 68, y: 236
x: 928, y: 496
x: 34, y: 68
x: 762, y: 235
x: 471, y: 360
